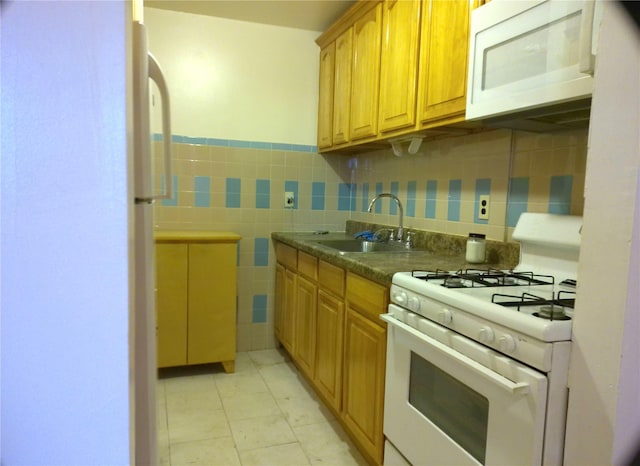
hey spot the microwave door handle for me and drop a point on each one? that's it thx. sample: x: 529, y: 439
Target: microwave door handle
x: 586, y: 59
x: 155, y: 73
x: 514, y: 388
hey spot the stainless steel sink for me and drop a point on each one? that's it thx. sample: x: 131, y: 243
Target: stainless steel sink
x: 356, y: 245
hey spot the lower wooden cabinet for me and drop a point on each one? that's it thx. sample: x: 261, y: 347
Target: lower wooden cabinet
x: 329, y: 348
x: 305, y: 325
x: 328, y: 322
x: 196, y: 298
x: 363, y: 389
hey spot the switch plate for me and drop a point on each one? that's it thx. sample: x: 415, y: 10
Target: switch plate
x: 483, y: 207
x: 289, y: 200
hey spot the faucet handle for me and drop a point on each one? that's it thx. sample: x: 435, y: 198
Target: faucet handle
x: 409, y: 241
x: 384, y: 234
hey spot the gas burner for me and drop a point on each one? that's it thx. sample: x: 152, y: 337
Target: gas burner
x: 552, y: 312
x: 453, y: 282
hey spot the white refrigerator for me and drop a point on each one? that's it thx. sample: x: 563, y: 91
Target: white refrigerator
x: 145, y: 67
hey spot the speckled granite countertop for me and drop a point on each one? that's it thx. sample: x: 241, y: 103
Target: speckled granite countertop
x: 443, y: 252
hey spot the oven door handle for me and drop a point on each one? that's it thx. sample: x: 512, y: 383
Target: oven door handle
x: 515, y: 388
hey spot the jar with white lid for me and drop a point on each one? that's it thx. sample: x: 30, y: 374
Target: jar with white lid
x: 475, y: 248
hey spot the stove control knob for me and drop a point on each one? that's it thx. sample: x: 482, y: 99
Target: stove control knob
x: 400, y: 297
x: 486, y: 335
x: 507, y: 343
x: 413, y: 303
x: 444, y: 316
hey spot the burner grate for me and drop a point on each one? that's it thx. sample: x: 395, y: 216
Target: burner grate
x: 550, y: 309
x: 469, y: 278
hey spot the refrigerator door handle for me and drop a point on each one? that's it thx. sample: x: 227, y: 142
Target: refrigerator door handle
x: 155, y: 73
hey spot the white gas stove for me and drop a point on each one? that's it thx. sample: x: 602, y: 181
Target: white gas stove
x: 509, y: 327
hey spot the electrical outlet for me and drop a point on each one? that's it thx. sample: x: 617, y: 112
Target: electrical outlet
x: 289, y: 200
x: 483, y: 207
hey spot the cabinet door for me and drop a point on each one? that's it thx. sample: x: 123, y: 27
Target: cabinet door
x: 329, y: 344
x: 366, y: 74
x: 289, y: 308
x: 399, y: 64
x: 212, y: 303
x: 443, y: 60
x: 325, y: 100
x: 342, y: 86
x: 278, y: 301
x: 363, y: 391
x: 171, y: 303
x: 305, y: 325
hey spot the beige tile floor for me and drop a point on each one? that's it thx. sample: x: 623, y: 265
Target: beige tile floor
x: 263, y: 414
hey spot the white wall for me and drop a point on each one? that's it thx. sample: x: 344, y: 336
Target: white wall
x: 237, y: 80
x: 65, y: 295
x: 603, y: 424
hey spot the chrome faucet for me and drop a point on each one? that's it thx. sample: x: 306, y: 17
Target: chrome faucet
x: 400, y: 209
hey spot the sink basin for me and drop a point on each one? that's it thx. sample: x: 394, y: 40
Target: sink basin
x: 356, y: 245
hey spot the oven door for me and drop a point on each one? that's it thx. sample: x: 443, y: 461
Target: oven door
x: 452, y: 401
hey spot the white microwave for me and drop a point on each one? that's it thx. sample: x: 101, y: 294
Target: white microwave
x: 531, y: 63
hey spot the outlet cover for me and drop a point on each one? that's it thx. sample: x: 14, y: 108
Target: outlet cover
x: 289, y: 200
x: 483, y: 207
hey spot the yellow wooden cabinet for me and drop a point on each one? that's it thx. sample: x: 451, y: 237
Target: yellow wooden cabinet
x: 399, y: 64
x: 330, y: 334
x: 342, y: 87
x: 325, y: 99
x: 285, y: 300
x: 196, y: 298
x: 444, y: 49
x: 364, y: 364
x: 365, y: 74
x: 305, y: 328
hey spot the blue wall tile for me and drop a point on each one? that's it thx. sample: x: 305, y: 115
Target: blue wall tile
x: 174, y: 198
x: 365, y: 197
x: 347, y: 193
x: 411, y: 199
x: 259, y: 309
x: 455, y: 195
x: 317, y: 195
x: 202, y: 191
x: 430, y: 202
x: 261, y: 251
x: 393, y: 207
x: 560, y: 194
x: 518, y: 199
x: 263, y: 194
x: 232, y: 192
x: 483, y: 187
x: 292, y: 186
x: 377, y: 208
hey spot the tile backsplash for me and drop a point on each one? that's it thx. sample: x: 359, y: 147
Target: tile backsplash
x: 239, y: 186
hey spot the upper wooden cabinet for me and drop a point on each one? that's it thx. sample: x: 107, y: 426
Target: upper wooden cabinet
x: 406, y: 71
x: 365, y: 74
x: 325, y: 100
x: 342, y: 86
x: 399, y: 64
x: 444, y: 50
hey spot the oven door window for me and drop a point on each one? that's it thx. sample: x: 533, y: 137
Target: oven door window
x: 456, y: 409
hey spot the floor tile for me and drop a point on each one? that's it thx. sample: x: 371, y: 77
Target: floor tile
x: 290, y: 454
x: 260, y: 432
x: 193, y: 400
x: 300, y: 411
x: 327, y: 443
x: 197, y: 425
x: 250, y: 405
x: 230, y: 385
x: 268, y: 357
x: 210, y: 452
